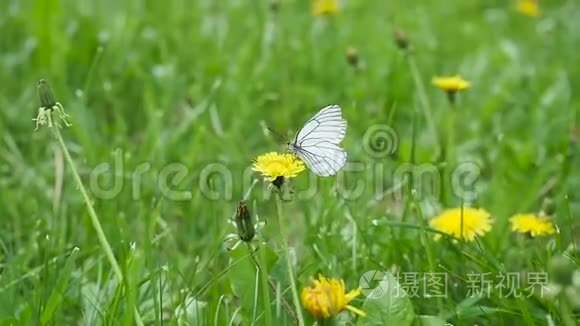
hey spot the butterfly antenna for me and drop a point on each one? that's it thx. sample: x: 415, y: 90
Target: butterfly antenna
x: 277, y: 134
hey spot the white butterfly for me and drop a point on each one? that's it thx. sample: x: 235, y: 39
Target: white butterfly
x: 317, y: 143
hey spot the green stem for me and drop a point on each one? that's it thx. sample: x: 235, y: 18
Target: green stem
x: 93, y: 215
x: 451, y: 118
x: 94, y: 218
x: 448, y: 155
x: 288, y: 260
x: 325, y: 322
x: 426, y: 242
x: 413, y: 226
x: 267, y: 281
x: 566, y: 311
x: 423, y: 99
x: 570, y: 222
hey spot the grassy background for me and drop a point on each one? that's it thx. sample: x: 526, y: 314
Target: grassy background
x: 194, y: 83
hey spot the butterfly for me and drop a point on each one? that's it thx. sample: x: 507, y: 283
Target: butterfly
x: 317, y: 142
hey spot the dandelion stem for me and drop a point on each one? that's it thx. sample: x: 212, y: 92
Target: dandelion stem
x: 423, y: 99
x: 92, y: 213
x: 448, y: 154
x: 94, y: 218
x: 568, y: 213
x: 272, y: 286
x: 426, y: 241
x: 288, y: 261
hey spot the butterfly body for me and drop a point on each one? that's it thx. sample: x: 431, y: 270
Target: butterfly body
x: 318, y: 142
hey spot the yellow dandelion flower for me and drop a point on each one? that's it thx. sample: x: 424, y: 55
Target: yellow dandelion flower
x: 532, y: 224
x: 451, y: 84
x: 528, y: 7
x: 327, y: 297
x: 275, y: 165
x: 474, y: 222
x: 325, y: 7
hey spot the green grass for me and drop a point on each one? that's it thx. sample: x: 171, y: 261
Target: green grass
x: 175, y: 96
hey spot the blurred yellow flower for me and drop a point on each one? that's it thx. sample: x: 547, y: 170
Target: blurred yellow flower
x: 476, y: 222
x: 532, y: 224
x: 528, y: 8
x: 451, y: 84
x: 275, y: 165
x: 328, y: 297
x: 325, y: 7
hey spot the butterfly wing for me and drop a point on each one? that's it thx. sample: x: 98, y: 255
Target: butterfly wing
x: 325, y: 159
x: 327, y: 124
x: 317, y: 143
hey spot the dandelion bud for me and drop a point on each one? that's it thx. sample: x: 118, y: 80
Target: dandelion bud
x: 274, y: 5
x: 401, y: 39
x: 244, y: 223
x: 352, y: 56
x: 45, y: 94
x: 48, y: 105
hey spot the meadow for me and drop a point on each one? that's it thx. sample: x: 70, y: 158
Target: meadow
x: 128, y: 216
